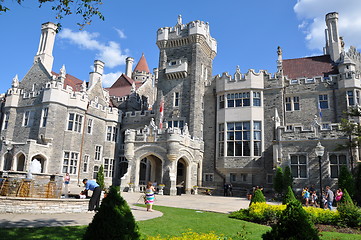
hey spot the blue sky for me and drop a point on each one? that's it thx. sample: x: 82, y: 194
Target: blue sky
x: 247, y: 33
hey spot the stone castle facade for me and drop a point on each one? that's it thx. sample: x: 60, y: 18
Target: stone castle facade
x: 180, y: 125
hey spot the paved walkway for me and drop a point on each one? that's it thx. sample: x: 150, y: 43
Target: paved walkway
x: 197, y: 202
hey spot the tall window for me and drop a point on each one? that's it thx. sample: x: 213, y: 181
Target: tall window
x: 353, y: 97
x: 238, y: 139
x: 98, y: 153
x: 208, y: 177
x: 75, y: 122
x: 86, y: 164
x: 176, y: 99
x: 323, y: 101
x: 221, y: 101
x: 6, y: 120
x: 233, y: 177
x: 109, y: 133
x: 257, y: 138
x: 256, y: 99
x: 44, y: 118
x: 221, y: 139
x: 95, y: 171
x: 336, y: 162
x: 176, y: 123
x: 292, y: 103
x: 299, y: 166
x: 70, y: 162
x: 108, y: 167
x: 112, y: 134
x: 90, y: 126
x: 26, y: 118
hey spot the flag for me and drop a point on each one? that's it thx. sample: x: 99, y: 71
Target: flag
x: 161, y: 113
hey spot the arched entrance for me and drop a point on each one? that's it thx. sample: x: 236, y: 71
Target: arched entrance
x: 150, y: 169
x: 182, y: 168
x: 20, y: 166
x: 123, y: 167
x: 8, y: 161
x: 42, y: 161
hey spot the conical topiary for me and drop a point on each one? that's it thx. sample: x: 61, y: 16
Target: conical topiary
x: 258, y: 197
x: 113, y: 221
x: 350, y: 214
x: 289, y: 196
x: 100, y: 177
x: 294, y: 224
x: 287, y: 179
x: 278, y: 181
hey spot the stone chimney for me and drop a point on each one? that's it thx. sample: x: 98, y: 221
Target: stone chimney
x: 97, y: 74
x: 46, y: 45
x: 129, y: 66
x: 333, y: 42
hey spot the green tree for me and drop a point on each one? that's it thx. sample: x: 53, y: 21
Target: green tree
x: 294, y: 224
x: 287, y: 179
x: 350, y: 214
x: 278, y: 181
x: 357, y: 178
x: 114, y: 220
x: 289, y: 196
x: 258, y: 197
x: 100, y: 178
x: 87, y: 9
x: 346, y: 180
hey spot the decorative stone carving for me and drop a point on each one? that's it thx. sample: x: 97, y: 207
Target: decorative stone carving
x: 15, y: 82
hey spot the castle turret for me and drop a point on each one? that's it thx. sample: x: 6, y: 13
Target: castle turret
x: 129, y: 66
x: 46, y: 45
x: 97, y: 74
x: 333, y: 41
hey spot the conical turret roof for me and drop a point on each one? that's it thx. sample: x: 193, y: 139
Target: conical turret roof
x: 142, y: 65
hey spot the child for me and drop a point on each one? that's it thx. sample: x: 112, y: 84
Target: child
x: 314, y: 199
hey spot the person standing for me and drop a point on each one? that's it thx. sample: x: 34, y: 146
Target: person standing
x: 339, y: 195
x: 66, y: 184
x: 306, y: 196
x: 329, y: 197
x: 149, y: 196
x: 95, y: 199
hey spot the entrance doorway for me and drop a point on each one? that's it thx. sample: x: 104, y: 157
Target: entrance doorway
x: 150, y: 170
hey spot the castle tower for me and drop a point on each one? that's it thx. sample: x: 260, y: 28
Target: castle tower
x: 333, y: 42
x: 129, y: 66
x: 97, y: 74
x: 46, y: 45
x: 185, y: 65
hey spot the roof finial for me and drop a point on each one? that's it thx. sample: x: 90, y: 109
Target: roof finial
x: 15, y: 82
x: 179, y: 20
x: 279, y: 60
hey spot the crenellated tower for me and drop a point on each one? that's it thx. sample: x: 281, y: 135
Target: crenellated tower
x: 185, y: 65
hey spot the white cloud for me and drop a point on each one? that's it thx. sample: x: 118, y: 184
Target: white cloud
x: 121, y: 33
x: 312, y: 16
x: 110, y: 53
x: 109, y: 78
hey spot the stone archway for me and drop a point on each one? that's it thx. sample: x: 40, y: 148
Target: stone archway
x: 20, y: 163
x: 42, y: 161
x: 182, y: 172
x: 8, y: 161
x: 150, y: 170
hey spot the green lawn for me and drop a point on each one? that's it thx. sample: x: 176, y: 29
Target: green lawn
x: 174, y: 222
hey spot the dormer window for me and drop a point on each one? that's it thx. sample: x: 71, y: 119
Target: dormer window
x: 172, y: 63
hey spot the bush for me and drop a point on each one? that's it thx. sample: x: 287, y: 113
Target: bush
x: 323, y: 216
x: 294, y: 223
x: 345, y: 180
x: 287, y: 179
x: 289, y: 196
x: 278, y: 181
x: 113, y: 221
x: 191, y: 236
x: 258, y: 197
x: 100, y: 178
x: 350, y: 215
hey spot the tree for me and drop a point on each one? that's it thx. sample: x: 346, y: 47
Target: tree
x: 278, y: 181
x: 87, y: 9
x: 287, y: 179
x: 100, y: 178
x: 258, y: 197
x: 289, y: 196
x: 357, y: 178
x: 114, y: 220
x: 294, y: 223
x: 350, y: 214
x: 345, y: 180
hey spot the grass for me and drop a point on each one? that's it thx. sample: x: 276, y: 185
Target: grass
x: 174, y: 222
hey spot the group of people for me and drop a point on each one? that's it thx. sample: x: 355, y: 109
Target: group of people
x: 311, y: 199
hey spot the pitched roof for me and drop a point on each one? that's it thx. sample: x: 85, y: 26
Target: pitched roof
x: 142, y: 65
x: 309, y: 67
x: 123, y: 86
x: 72, y: 81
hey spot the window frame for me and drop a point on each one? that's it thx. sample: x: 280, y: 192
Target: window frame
x: 71, y: 166
x: 44, y: 116
x: 305, y: 165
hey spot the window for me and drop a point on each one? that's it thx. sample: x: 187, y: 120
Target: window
x: 98, y: 153
x: 238, y: 99
x: 244, y: 177
x: 358, y: 97
x: 89, y: 126
x: 289, y: 127
x: 232, y: 177
x: 26, y: 119
x: 208, y: 177
x: 310, y: 80
x: 299, y: 166
x: 336, y: 163
x: 75, y: 122
x: 292, y: 103
x: 326, y: 126
x: 95, y: 171
x: 86, y: 164
x: 221, y: 140
x: 269, y: 178
x: 176, y: 123
x: 238, y: 139
x: 70, y: 162
x: 108, y: 167
x: 6, y: 120
x: 323, y: 101
x: 257, y: 138
x: 176, y: 99
x: 221, y: 101
x: 350, y: 99
x: 294, y: 81
x: 109, y: 133
x: 256, y: 99
x: 172, y: 63
x: 44, y: 118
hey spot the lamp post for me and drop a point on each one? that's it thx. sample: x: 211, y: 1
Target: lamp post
x: 320, y: 150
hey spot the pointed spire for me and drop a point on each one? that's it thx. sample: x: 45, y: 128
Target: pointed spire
x: 279, y: 60
x: 15, y: 82
x: 62, y: 74
x: 83, y: 86
x: 179, y: 22
x: 142, y: 65
x: 237, y: 75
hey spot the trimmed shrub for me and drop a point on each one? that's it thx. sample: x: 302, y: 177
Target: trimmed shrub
x: 258, y: 197
x: 100, y: 177
x: 323, y: 216
x: 357, y: 177
x: 191, y: 236
x: 278, y: 181
x: 294, y: 223
x: 289, y: 196
x: 113, y: 221
x: 345, y: 180
x: 287, y: 179
x: 350, y: 215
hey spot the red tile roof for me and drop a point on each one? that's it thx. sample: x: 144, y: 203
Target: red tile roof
x: 72, y: 81
x: 142, y: 65
x: 309, y: 67
x: 123, y: 86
